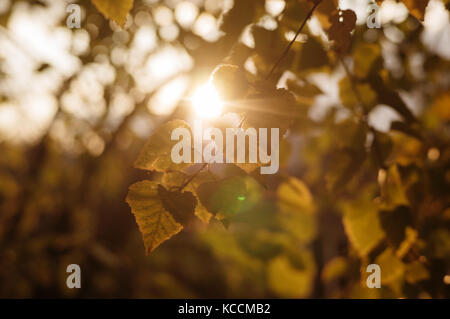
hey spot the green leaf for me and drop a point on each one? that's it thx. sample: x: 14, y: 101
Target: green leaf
x: 155, y: 222
x: 156, y: 153
x: 116, y: 10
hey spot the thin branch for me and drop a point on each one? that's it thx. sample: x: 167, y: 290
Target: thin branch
x: 285, y: 52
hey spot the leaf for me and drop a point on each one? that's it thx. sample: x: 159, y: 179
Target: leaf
x: 155, y: 222
x: 230, y: 81
x: 416, y: 272
x: 156, y: 153
x: 393, y: 193
x: 440, y: 110
x: 269, y: 44
x: 325, y: 10
x: 334, y: 269
x: 180, y: 204
x: 349, y: 98
x: 295, y: 195
x: 411, y: 236
x: 224, y: 197
x: 416, y: 7
x: 365, y: 55
x: 406, y: 150
x: 116, y: 10
x: 234, y: 20
x: 395, y: 224
x: 289, y: 282
x: 270, y: 108
x: 342, y: 23
x: 175, y: 179
x: 297, y: 210
x: 362, y: 224
x: 312, y: 55
x: 381, y: 147
x: 440, y: 243
x: 392, y: 268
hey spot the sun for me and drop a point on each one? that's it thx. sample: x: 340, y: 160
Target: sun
x: 207, y: 102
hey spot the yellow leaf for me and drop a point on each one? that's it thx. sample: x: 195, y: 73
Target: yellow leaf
x: 116, y: 10
x: 365, y: 55
x: 297, y: 210
x: 289, y: 282
x: 362, y: 224
x: 334, y: 269
x: 349, y: 98
x: 416, y: 7
x: 416, y: 272
x: 155, y: 222
x: 295, y: 195
x: 392, y: 190
x: 392, y: 268
x: 441, y: 106
x: 156, y: 153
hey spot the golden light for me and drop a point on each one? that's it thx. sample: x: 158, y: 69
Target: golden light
x: 207, y: 102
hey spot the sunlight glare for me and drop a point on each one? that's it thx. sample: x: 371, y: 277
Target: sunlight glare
x: 206, y: 101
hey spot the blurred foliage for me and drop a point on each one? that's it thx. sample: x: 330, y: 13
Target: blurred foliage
x: 350, y: 192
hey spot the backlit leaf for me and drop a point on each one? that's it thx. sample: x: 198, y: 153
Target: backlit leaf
x: 116, y: 10
x: 155, y: 222
x: 290, y: 282
x: 156, y: 153
x: 362, y: 224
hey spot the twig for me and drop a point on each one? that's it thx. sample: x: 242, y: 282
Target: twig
x: 285, y: 52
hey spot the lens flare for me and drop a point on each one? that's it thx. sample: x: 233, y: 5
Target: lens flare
x: 206, y: 102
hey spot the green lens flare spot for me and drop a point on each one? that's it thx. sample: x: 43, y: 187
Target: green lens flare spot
x: 241, y: 198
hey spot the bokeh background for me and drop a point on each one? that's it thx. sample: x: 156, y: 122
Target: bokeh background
x: 77, y: 105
